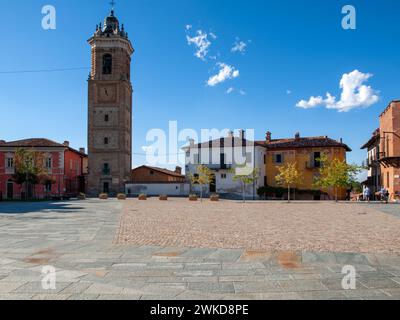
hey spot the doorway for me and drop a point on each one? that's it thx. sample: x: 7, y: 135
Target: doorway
x: 10, y: 190
x: 106, y: 187
x: 213, y: 184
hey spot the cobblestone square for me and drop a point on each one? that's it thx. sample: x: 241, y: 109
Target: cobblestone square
x: 180, y: 250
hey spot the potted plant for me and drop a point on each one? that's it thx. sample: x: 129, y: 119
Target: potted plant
x: 163, y: 197
x: 142, y: 197
x: 121, y: 196
x: 81, y: 196
x: 193, y: 197
x: 103, y: 196
x: 214, y: 197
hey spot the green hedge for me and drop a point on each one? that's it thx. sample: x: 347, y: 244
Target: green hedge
x: 279, y: 192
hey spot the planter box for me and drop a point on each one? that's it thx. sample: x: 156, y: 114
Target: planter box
x: 103, y: 196
x: 121, y: 196
x: 81, y: 197
x: 143, y: 197
x: 214, y: 198
x: 163, y: 198
x: 193, y: 198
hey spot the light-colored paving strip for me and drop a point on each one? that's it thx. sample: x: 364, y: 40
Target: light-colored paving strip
x: 79, y: 240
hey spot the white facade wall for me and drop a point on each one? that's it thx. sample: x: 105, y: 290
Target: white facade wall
x: 157, y: 189
x: 227, y: 186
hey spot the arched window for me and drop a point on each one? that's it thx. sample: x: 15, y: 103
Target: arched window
x: 107, y: 64
x: 106, y: 140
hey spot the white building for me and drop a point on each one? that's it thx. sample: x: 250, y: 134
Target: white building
x: 226, y: 157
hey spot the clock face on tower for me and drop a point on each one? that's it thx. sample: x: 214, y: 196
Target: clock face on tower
x: 107, y: 93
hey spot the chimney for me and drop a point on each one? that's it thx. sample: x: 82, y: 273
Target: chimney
x: 178, y: 170
x: 297, y: 136
x: 82, y: 150
x: 230, y: 134
x: 66, y: 143
x: 242, y: 134
x: 268, y: 136
x: 341, y: 140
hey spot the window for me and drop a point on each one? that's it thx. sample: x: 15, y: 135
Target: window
x: 317, y: 159
x: 151, y: 172
x: 49, y: 163
x: 106, y: 169
x: 106, y: 118
x: 196, y: 177
x: 10, y: 163
x: 106, y: 140
x: 48, y: 187
x: 279, y: 158
x: 107, y: 64
x: 265, y: 159
x: 265, y: 181
x: 223, y: 175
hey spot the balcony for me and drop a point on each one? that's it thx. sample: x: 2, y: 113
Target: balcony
x: 219, y: 166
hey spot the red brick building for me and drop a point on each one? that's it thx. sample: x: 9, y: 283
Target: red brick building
x: 66, y: 166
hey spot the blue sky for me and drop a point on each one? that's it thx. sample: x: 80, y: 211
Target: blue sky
x: 291, y: 46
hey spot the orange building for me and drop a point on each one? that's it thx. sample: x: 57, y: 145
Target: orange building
x: 305, y: 152
x: 390, y: 149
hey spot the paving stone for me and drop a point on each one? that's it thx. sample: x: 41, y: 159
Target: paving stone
x: 365, y: 293
x: 302, y: 285
x: 36, y: 287
x: 8, y: 287
x: 76, y: 288
x: 322, y: 295
x: 379, y: 283
x: 225, y: 255
x: 56, y: 296
x: 84, y: 297
x: 119, y: 297
x: 257, y: 287
x: 100, y: 288
x: 212, y: 287
x: 16, y: 296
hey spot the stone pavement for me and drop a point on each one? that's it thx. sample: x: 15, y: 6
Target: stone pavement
x: 77, y: 239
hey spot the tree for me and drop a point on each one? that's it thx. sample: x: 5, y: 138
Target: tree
x: 288, y: 176
x: 246, y: 176
x: 29, y: 166
x: 204, y: 177
x: 335, y: 173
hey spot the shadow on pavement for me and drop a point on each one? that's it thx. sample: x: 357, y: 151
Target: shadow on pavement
x: 37, y: 207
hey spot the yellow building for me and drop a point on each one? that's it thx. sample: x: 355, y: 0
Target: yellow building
x: 305, y: 152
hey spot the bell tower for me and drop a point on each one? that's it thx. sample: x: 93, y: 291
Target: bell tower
x: 109, y: 109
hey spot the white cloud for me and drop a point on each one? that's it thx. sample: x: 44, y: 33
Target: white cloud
x: 188, y: 27
x: 226, y: 72
x: 288, y: 91
x: 230, y: 90
x: 239, y: 46
x: 242, y: 92
x: 201, y: 42
x: 355, y: 94
x: 212, y: 35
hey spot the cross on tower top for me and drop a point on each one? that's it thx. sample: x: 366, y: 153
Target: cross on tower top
x: 113, y: 3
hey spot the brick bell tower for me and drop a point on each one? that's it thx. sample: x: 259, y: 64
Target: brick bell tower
x: 110, y: 109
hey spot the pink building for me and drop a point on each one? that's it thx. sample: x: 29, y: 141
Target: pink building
x: 66, y: 166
